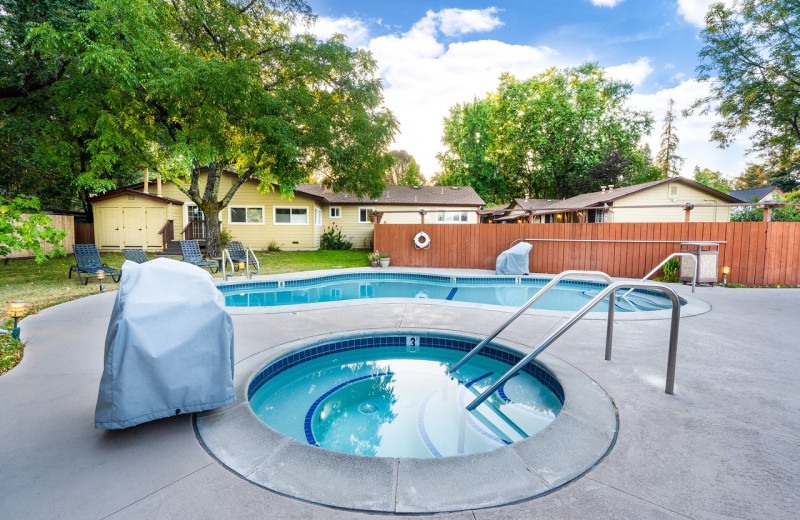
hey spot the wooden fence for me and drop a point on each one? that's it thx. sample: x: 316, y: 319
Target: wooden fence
x: 65, y: 222
x: 84, y: 233
x: 758, y: 253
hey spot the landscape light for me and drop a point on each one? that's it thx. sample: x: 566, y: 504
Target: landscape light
x: 17, y: 310
x: 101, y: 275
x: 241, y: 268
x: 725, y: 271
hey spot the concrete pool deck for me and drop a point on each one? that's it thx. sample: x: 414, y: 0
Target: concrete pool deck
x: 725, y: 445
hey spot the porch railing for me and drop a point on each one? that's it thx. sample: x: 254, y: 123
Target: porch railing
x: 167, y: 233
x: 194, y: 230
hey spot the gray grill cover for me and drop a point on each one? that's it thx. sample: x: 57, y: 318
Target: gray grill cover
x: 514, y: 260
x: 169, y: 346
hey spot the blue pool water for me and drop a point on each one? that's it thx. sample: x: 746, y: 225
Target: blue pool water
x: 392, y: 396
x: 568, y: 295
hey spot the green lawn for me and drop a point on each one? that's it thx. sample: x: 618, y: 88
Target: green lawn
x: 46, y: 284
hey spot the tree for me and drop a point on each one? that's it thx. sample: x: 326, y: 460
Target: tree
x: 642, y: 168
x: 405, y: 170
x: 712, y: 179
x: 550, y: 130
x: 466, y: 138
x: 667, y: 160
x: 754, y: 176
x: 23, y: 228
x: 193, y: 88
x: 751, y: 58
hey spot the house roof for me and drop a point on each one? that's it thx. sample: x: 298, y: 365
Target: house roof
x: 597, y: 198
x: 132, y: 190
x: 757, y: 193
x: 534, y: 204
x: 402, y: 195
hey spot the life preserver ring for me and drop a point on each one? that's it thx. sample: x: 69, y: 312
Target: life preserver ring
x: 422, y: 240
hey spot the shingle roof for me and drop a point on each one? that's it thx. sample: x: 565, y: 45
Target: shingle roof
x: 131, y: 190
x: 529, y: 204
x: 597, y: 198
x: 757, y: 193
x: 402, y: 195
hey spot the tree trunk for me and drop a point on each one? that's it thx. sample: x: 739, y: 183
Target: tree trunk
x: 213, y: 249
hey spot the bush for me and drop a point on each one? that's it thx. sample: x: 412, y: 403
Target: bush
x: 333, y: 239
x: 224, y: 237
x: 273, y: 246
x: 671, y: 270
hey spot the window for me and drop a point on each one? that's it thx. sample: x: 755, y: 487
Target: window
x: 595, y: 215
x: 335, y: 212
x: 449, y: 218
x: 673, y: 190
x: 291, y: 216
x: 246, y: 214
x: 317, y: 217
x: 363, y: 215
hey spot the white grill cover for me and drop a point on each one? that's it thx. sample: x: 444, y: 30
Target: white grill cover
x: 514, y: 260
x: 169, y: 346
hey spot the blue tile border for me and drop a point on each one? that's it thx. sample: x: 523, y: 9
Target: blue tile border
x: 395, y: 340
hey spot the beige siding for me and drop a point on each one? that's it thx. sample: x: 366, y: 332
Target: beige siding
x: 131, y: 221
x: 661, y: 195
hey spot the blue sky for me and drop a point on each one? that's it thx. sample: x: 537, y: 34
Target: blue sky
x: 432, y: 55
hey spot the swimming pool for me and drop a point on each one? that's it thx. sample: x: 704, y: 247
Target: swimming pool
x: 393, y: 396
x: 568, y: 295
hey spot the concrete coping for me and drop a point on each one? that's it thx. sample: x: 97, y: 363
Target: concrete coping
x: 692, y: 306
x: 578, y: 438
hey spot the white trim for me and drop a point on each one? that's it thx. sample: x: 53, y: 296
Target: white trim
x: 290, y: 223
x: 331, y: 208
x: 368, y: 208
x: 232, y: 223
x: 317, y: 216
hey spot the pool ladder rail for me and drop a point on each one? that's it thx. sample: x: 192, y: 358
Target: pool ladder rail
x: 247, y: 255
x: 610, y: 291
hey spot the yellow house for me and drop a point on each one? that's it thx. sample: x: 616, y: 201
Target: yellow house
x: 137, y: 217
x: 658, y: 201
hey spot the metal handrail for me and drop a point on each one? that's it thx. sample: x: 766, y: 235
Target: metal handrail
x: 525, y: 306
x: 225, y: 253
x: 651, y: 273
x: 610, y: 290
x: 247, y: 255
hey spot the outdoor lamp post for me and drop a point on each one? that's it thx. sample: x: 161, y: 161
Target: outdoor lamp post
x: 725, y: 271
x: 16, y: 310
x: 101, y: 275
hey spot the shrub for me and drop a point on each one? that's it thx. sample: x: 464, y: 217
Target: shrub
x: 332, y: 238
x: 224, y: 237
x: 273, y: 246
x: 671, y: 270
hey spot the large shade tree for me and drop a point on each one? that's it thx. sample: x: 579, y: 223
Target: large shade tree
x: 193, y: 88
x: 751, y: 58
x: 557, y: 134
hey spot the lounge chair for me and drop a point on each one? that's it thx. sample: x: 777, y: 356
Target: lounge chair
x: 192, y: 255
x: 135, y: 255
x: 238, y: 254
x: 88, y: 263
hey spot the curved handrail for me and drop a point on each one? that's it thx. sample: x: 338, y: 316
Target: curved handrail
x: 541, y: 292
x: 225, y: 253
x: 673, y: 335
x: 249, y: 252
x: 651, y: 273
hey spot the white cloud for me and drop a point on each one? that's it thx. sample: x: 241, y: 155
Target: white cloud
x: 424, y: 77
x: 694, y: 11
x: 355, y: 31
x: 455, y: 22
x: 634, y: 73
x: 606, y: 3
x: 693, y: 131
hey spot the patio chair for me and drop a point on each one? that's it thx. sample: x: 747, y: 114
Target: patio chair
x: 88, y: 263
x: 238, y: 254
x: 135, y: 255
x: 192, y: 255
